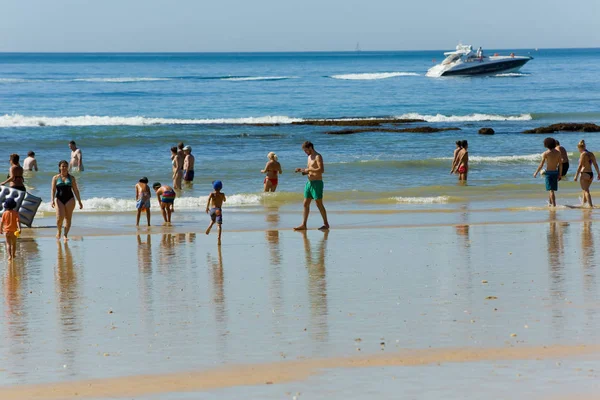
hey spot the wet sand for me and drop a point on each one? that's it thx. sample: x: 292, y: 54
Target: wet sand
x: 358, y: 312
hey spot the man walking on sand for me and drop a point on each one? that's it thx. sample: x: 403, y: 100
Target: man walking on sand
x: 314, y: 187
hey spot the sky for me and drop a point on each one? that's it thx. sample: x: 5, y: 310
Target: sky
x: 292, y: 25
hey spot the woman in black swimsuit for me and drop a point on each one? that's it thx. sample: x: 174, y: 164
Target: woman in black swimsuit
x: 15, y: 174
x: 64, y: 187
x: 586, y: 160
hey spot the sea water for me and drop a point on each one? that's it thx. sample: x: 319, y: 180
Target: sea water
x: 125, y: 111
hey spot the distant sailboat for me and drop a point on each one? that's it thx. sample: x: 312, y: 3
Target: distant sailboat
x: 357, y: 49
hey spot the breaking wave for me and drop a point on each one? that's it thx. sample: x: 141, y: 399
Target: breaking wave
x: 422, y: 200
x: 120, y: 80
x: 373, y: 76
x: 17, y: 120
x: 511, y: 74
x: 466, y: 118
x: 516, y: 159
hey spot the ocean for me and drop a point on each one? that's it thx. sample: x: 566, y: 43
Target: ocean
x: 125, y: 111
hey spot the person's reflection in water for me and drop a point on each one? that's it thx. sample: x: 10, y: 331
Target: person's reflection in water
x: 317, y: 287
x: 15, y: 319
x: 67, y: 289
x: 144, y: 256
x: 588, y: 263
x: 218, y: 280
x: 556, y: 252
x: 167, y: 252
x: 191, y: 237
x: 272, y: 234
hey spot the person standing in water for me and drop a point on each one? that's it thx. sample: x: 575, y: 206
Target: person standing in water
x: 462, y: 161
x: 214, y: 208
x: 188, y: 165
x: 15, y: 174
x: 76, y: 163
x: 313, y: 189
x: 455, y: 157
x: 177, y: 163
x: 30, y: 163
x: 586, y: 160
x: 63, y: 194
x: 564, y: 158
x: 142, y: 199
x: 271, y: 169
x: 552, y: 159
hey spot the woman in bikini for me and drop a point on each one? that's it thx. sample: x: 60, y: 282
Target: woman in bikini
x: 271, y: 169
x: 462, y: 161
x: 586, y: 160
x: 64, y: 192
x: 15, y: 174
x: 455, y: 158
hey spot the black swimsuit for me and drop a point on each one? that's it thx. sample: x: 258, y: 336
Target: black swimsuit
x: 64, y: 190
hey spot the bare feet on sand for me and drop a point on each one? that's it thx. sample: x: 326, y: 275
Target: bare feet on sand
x: 300, y: 228
x: 324, y: 228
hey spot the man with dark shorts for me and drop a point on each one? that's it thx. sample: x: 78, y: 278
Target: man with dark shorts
x: 188, y: 165
x: 564, y: 158
x: 314, y: 187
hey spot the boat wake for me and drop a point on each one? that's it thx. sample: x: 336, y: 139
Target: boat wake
x: 372, y: 76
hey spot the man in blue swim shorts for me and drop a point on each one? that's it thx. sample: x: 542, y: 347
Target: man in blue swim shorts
x: 553, y: 160
x: 314, y: 187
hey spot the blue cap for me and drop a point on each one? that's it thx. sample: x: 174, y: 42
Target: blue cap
x: 217, y: 185
x: 10, y: 204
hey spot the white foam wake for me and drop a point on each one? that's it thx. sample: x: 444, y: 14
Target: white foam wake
x: 17, y: 120
x: 111, y: 204
x: 511, y: 74
x: 120, y: 80
x: 422, y: 200
x: 501, y: 159
x: 373, y: 76
x: 258, y: 78
x: 466, y: 118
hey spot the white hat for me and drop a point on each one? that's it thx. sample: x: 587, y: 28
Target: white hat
x: 187, y: 148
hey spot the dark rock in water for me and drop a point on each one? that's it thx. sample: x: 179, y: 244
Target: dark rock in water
x: 416, y: 129
x: 356, y: 122
x: 486, y: 131
x: 566, y: 127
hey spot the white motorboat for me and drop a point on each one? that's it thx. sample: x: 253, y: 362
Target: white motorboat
x: 464, y: 61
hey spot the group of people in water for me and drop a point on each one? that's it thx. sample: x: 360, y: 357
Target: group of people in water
x: 65, y: 193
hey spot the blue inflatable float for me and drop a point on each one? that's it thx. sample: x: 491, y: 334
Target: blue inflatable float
x: 27, y: 204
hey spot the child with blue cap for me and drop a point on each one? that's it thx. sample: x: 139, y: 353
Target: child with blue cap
x: 216, y: 200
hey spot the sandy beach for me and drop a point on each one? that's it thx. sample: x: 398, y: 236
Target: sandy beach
x: 453, y: 309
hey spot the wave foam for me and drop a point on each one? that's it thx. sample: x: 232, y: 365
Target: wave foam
x: 373, y: 76
x: 500, y: 159
x: 422, y: 200
x: 466, y: 118
x: 120, y: 80
x: 17, y: 120
x: 111, y: 204
x: 257, y: 78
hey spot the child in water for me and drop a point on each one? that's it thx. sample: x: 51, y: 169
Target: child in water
x: 216, y: 200
x: 166, y: 198
x: 10, y: 226
x: 142, y: 199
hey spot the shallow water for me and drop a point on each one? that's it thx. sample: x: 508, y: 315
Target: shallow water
x: 112, y: 306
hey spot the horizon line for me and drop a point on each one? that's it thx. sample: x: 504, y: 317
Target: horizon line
x: 279, y: 51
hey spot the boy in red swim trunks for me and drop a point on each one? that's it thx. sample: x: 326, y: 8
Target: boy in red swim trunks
x: 9, y: 225
x: 216, y: 199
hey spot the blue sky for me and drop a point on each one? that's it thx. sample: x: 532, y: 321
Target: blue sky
x: 307, y: 25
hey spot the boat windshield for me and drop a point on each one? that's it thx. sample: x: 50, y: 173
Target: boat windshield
x: 451, y: 58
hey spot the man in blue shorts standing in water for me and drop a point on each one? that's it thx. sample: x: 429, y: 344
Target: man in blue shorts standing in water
x: 314, y: 187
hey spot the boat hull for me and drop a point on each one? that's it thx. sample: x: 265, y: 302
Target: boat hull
x: 488, y: 68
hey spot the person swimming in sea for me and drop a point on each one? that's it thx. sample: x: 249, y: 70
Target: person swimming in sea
x: 553, y: 173
x: 586, y: 160
x: 272, y: 168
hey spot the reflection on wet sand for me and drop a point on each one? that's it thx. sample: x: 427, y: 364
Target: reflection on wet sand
x: 167, y: 252
x: 218, y: 300
x: 588, y: 265
x: 67, y: 289
x: 556, y: 252
x: 144, y: 257
x: 317, y: 287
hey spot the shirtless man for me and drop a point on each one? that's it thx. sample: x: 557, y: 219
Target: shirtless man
x: 76, y: 163
x: 564, y: 158
x: 552, y: 159
x: 188, y: 164
x: 314, y: 187
x: 180, y: 157
x: 30, y: 163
